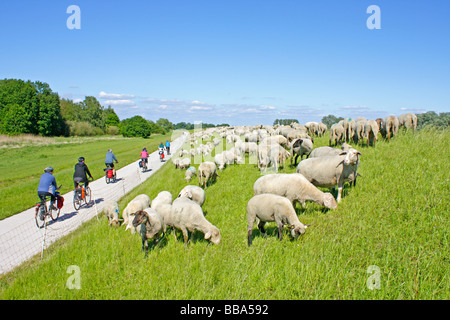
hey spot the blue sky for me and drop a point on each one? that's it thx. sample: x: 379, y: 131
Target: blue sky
x: 238, y: 62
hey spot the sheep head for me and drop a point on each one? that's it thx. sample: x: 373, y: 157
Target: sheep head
x: 351, y: 156
x: 329, y: 201
x: 139, y: 218
x: 298, y: 230
x: 213, y: 235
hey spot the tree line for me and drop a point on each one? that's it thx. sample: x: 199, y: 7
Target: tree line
x: 28, y: 107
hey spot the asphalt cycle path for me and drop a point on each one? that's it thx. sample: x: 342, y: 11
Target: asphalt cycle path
x: 21, y: 239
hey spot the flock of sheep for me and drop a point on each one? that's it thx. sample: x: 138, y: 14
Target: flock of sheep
x: 275, y: 194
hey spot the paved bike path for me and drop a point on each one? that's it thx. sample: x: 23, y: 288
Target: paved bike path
x: 21, y: 239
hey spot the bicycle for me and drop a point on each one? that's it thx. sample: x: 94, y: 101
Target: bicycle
x: 110, y: 176
x: 81, y: 194
x: 143, y: 165
x: 41, y: 211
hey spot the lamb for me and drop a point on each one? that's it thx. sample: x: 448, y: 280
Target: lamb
x: 112, y: 212
x: 336, y: 134
x: 371, y: 132
x: 271, y: 207
x: 277, y: 155
x: 332, y: 170
x: 194, y: 193
x: 150, y: 226
x: 208, y: 171
x: 140, y: 202
x: 389, y: 127
x: 190, y: 172
x: 408, y: 120
x: 300, y: 147
x: 186, y: 215
x: 295, y: 187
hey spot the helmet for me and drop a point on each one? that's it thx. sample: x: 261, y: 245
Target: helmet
x: 145, y: 149
x: 48, y: 169
x: 81, y: 159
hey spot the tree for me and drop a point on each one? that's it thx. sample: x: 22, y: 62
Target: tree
x: 136, y: 126
x: 165, y: 124
x: 284, y: 121
x: 111, y: 118
x: 330, y: 120
x: 29, y: 107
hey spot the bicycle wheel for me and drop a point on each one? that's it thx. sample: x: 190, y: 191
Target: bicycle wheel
x: 39, y: 222
x: 54, y: 214
x: 76, y: 200
x: 87, y: 195
x: 108, y: 180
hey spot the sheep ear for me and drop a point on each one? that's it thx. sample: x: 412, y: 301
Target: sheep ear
x: 307, y: 225
x: 291, y: 226
x: 359, y: 153
x: 208, y: 235
x: 343, y: 153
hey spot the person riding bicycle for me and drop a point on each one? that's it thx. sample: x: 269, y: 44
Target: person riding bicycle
x: 161, y: 150
x: 47, y: 187
x: 81, y: 173
x: 109, y: 160
x: 144, y: 155
x: 168, y: 146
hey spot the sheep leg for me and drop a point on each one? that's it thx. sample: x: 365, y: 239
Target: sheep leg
x: 185, y: 236
x: 339, y: 197
x: 249, y: 236
x: 261, y: 228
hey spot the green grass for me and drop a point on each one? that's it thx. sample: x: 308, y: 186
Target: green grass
x: 396, y: 219
x: 21, y: 168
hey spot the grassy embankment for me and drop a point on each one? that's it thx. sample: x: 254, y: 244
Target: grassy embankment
x: 395, y: 219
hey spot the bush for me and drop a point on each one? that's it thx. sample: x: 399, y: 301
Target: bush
x: 82, y: 129
x: 112, y: 130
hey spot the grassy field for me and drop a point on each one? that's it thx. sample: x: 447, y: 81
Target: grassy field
x: 22, y: 161
x: 396, y: 219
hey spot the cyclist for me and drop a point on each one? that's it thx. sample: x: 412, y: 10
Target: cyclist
x: 81, y: 173
x: 47, y: 187
x: 109, y: 160
x: 168, y: 146
x: 144, y: 155
x: 161, y: 151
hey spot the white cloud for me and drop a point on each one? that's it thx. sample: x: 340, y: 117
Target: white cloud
x: 193, y: 108
x: 124, y: 102
x: 114, y: 96
x: 354, y: 108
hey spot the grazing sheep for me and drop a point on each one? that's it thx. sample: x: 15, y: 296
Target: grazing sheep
x: 389, y: 127
x: 208, y: 171
x: 185, y: 163
x: 300, y: 147
x: 112, y: 212
x: 295, y: 187
x: 336, y: 134
x: 190, y: 172
x: 150, y: 225
x: 408, y: 120
x: 359, y: 133
x: 194, y: 193
x: 332, y: 170
x: 322, y: 129
x: 176, y: 162
x: 186, y: 215
x: 219, y: 160
x: 371, y: 132
x: 271, y: 207
x: 140, y: 202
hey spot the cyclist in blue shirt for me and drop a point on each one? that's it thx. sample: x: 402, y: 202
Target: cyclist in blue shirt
x: 47, y: 187
x: 109, y: 160
x: 168, y: 147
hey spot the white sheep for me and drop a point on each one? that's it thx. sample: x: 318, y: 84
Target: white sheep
x: 336, y: 133
x: 185, y: 163
x: 186, y: 215
x: 408, y: 120
x: 150, y: 226
x: 332, y: 170
x: 140, y: 202
x: 190, y: 172
x: 295, y: 187
x: 389, y: 127
x: 277, y: 156
x: 219, y: 160
x: 163, y: 204
x: 112, y: 212
x: 194, y: 193
x: 207, y: 171
x: 271, y: 207
x: 324, y: 152
x: 371, y: 132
